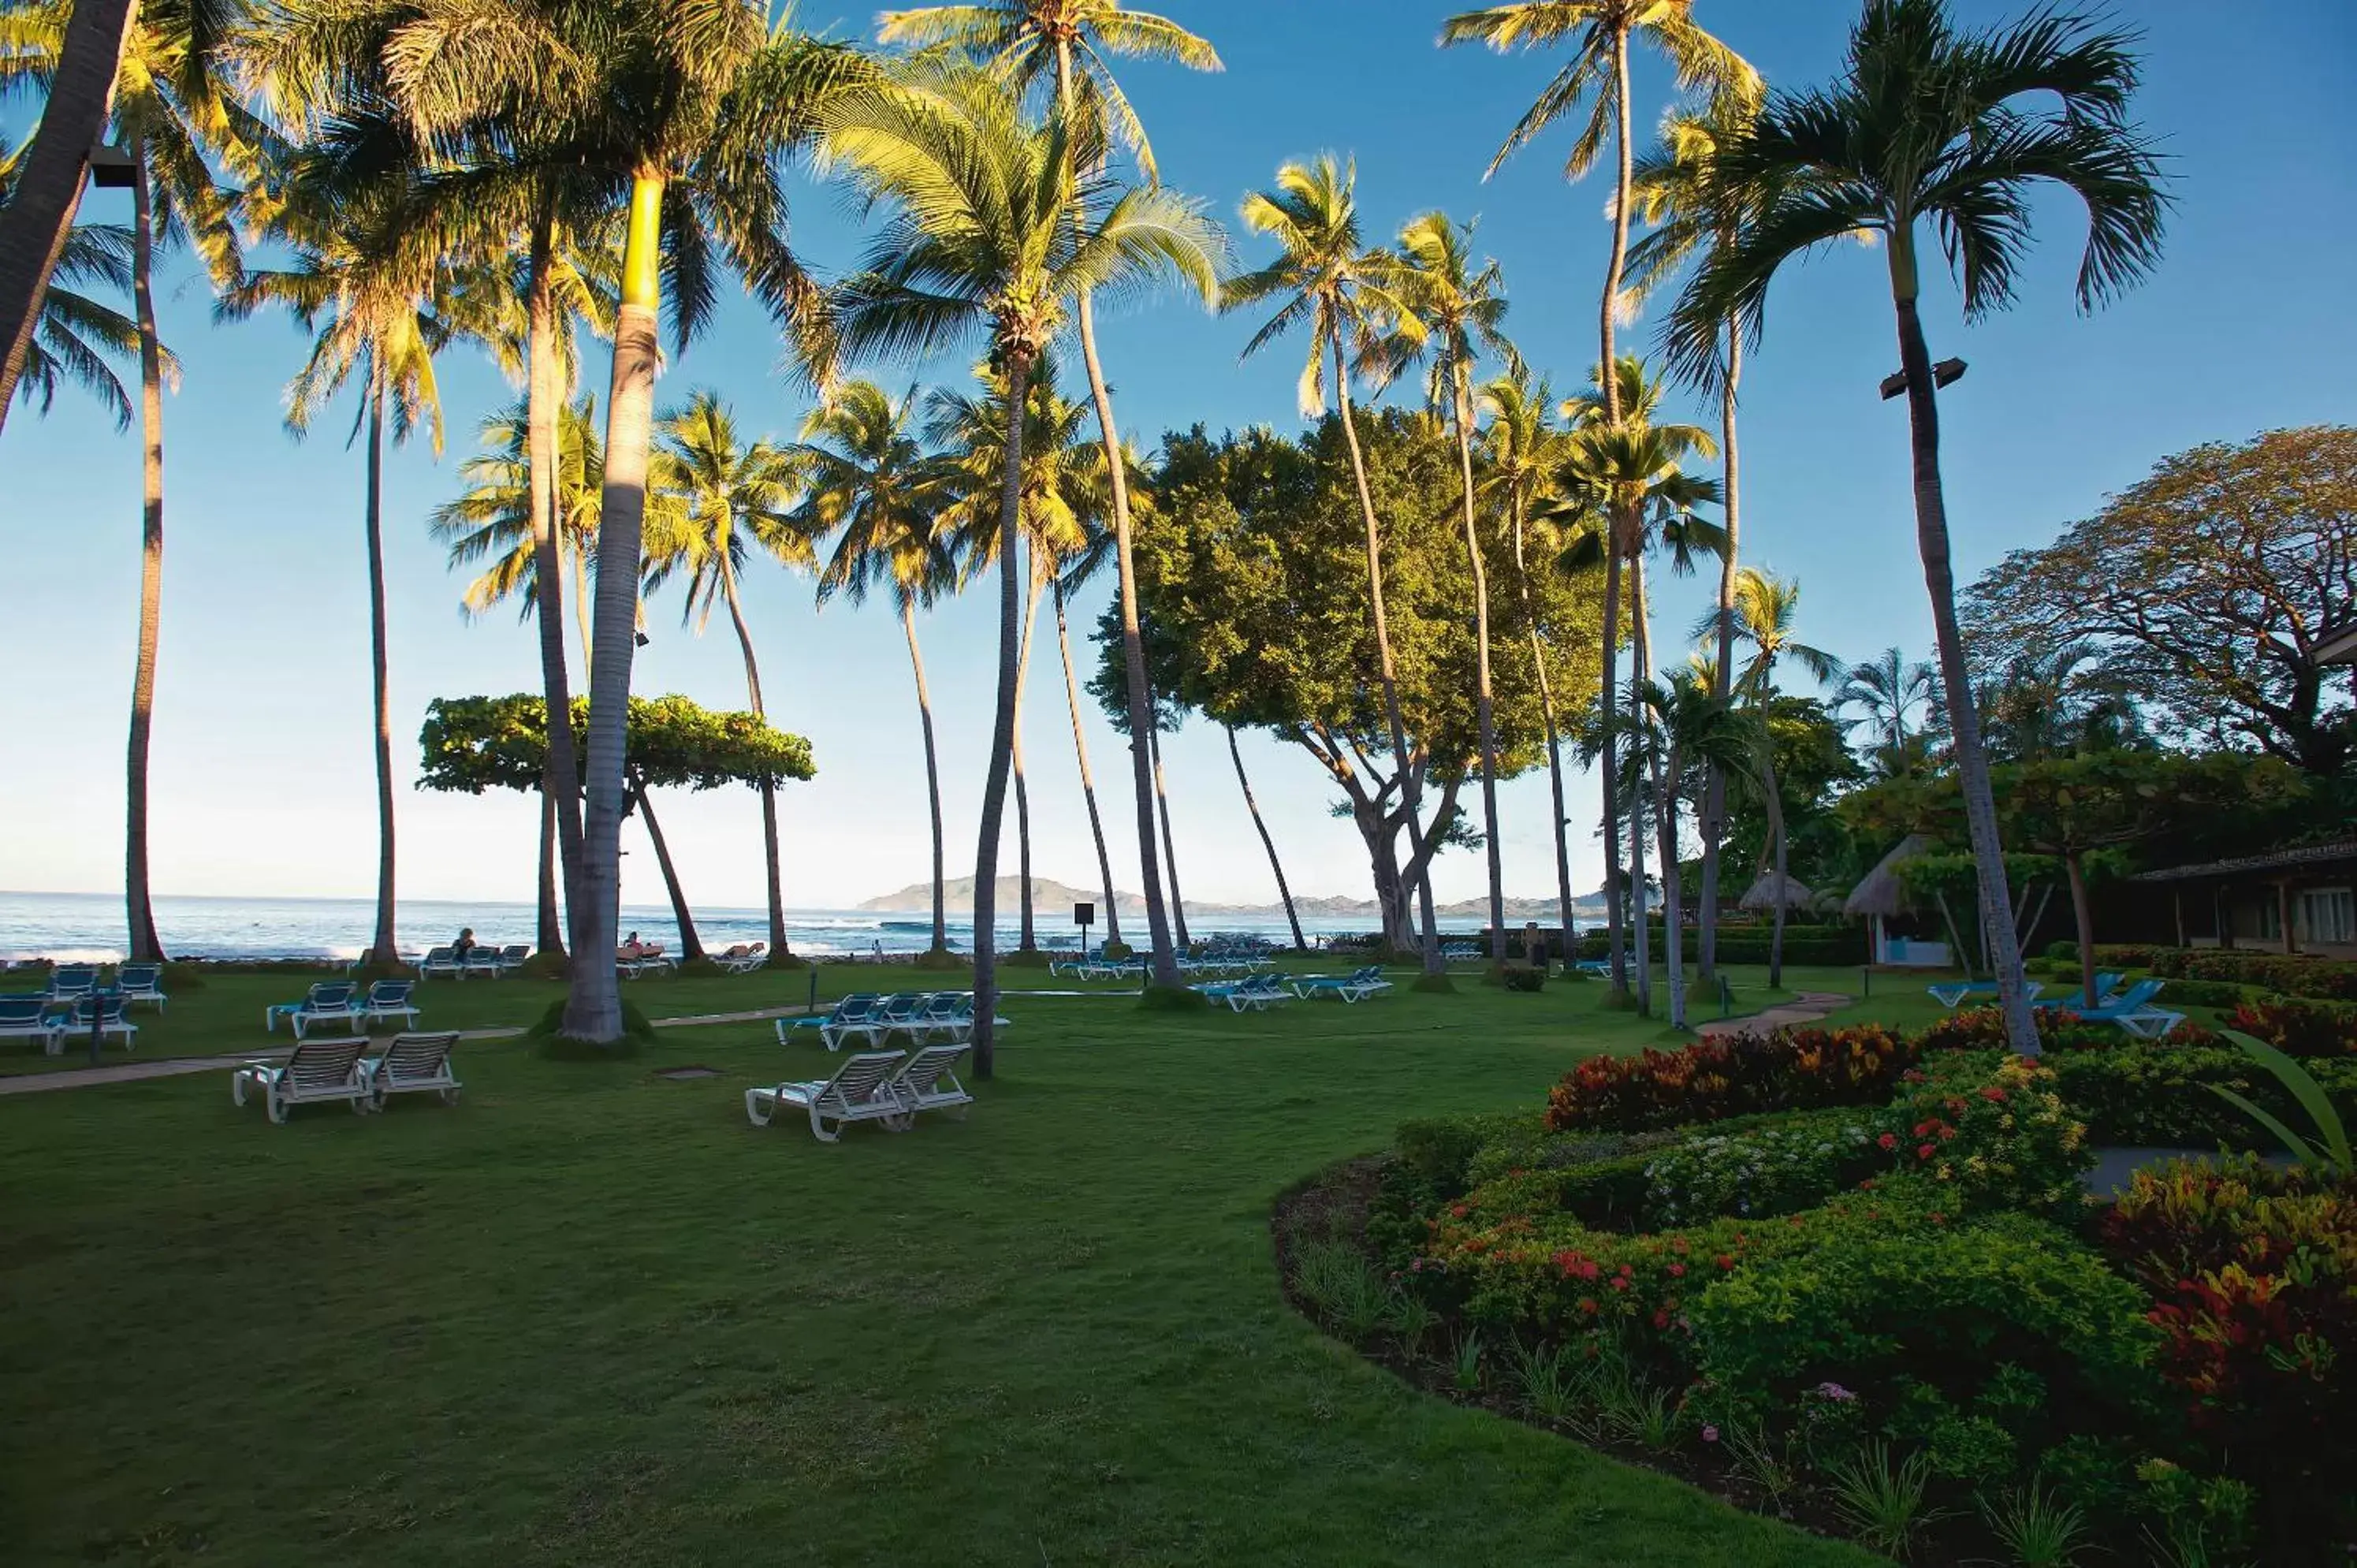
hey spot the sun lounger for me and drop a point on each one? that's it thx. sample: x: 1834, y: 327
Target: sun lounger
x: 319, y: 1073
x: 140, y: 982
x: 1249, y: 996
x: 2107, y: 991
x: 744, y: 959
x: 860, y: 1091
x: 441, y: 961
x: 108, y: 1014
x: 2133, y: 1011
x: 388, y: 999
x: 851, y: 1008
x: 485, y: 962
x: 331, y: 1001
x: 901, y: 1014
x: 72, y: 981
x: 514, y: 956
x: 413, y: 1064
x: 1949, y: 994
x: 1356, y: 986
x: 927, y: 1081
x: 32, y: 1018
x: 867, y: 1022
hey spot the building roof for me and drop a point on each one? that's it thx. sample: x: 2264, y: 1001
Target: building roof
x: 2337, y: 644
x: 2290, y: 859
x: 1881, y: 893
x: 1763, y: 894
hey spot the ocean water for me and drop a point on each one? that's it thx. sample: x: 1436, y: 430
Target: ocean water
x: 89, y: 927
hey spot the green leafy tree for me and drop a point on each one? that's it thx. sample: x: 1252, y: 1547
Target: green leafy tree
x: 1765, y: 609
x: 470, y: 744
x: 2220, y: 570
x: 1886, y: 691
x: 1926, y: 124
x: 726, y: 500
x: 1687, y: 733
x: 992, y: 232
x: 1327, y: 279
x: 874, y: 489
x: 1071, y: 43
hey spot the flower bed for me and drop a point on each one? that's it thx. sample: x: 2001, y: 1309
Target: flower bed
x: 2293, y: 974
x: 1838, y: 1265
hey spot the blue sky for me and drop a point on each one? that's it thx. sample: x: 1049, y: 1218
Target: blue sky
x: 261, y: 768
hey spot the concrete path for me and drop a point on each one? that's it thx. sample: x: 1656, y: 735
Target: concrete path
x: 1807, y: 1008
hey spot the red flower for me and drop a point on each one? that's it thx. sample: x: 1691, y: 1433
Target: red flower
x: 1677, y: 1269
x: 1992, y: 1094
x: 1889, y: 1140
x: 1724, y: 1261
x: 1678, y: 1245
x: 1938, y: 1219
x: 1619, y: 1281
x: 1662, y: 1319
x: 1923, y: 1129
x: 1588, y: 1305
x: 1925, y: 1151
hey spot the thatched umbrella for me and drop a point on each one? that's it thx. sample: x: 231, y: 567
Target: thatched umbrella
x: 1882, y: 895
x: 1772, y: 889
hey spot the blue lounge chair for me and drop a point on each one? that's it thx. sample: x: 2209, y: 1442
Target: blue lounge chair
x: 32, y: 1018
x: 2133, y: 1011
x: 107, y: 1013
x: 1951, y: 994
x: 1251, y: 994
x: 140, y: 982
x: 852, y: 1009
x: 2107, y: 991
x: 72, y: 981
x: 441, y: 961
x: 388, y: 999
x: 1356, y: 986
x: 331, y: 1001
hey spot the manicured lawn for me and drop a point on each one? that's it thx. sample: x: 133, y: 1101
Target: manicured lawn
x: 590, y: 1316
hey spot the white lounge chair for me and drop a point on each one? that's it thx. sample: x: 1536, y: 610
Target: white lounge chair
x: 388, y: 999
x: 319, y: 1073
x: 413, y: 1064
x: 850, y: 1009
x: 108, y: 1014
x: 331, y: 1001
x: 31, y: 1018
x: 1249, y: 995
x: 927, y: 1081
x: 441, y: 961
x: 486, y: 962
x: 1356, y: 986
x: 514, y: 956
x: 140, y: 982
x: 1949, y: 994
x: 860, y: 1091
x: 742, y: 959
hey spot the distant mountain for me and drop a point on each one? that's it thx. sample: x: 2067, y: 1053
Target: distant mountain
x: 957, y: 896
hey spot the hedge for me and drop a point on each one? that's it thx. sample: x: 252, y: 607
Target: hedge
x: 2294, y: 974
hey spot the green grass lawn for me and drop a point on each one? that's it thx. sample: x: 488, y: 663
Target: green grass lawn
x: 590, y: 1316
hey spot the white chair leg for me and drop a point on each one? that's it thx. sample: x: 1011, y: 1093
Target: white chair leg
x: 818, y: 1127
x: 754, y: 1111
x: 277, y: 1102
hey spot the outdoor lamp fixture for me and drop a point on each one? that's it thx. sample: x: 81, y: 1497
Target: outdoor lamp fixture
x: 110, y: 168
x: 642, y: 638
x: 1947, y: 372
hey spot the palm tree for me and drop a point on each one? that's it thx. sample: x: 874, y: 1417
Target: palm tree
x: 496, y: 520
x: 1455, y: 312
x: 1078, y: 570
x: 1685, y: 210
x: 1622, y: 489
x: 1598, y: 77
x: 1765, y: 609
x: 1887, y: 689
x: 1073, y: 39
x: 992, y: 233
x: 872, y: 485
x: 38, y: 220
x: 1685, y: 727
x: 380, y: 323
x: 1924, y: 124
x: 170, y: 110
x: 1522, y: 450
x: 1062, y: 486
x: 77, y: 331
x: 732, y: 499
x: 1347, y: 295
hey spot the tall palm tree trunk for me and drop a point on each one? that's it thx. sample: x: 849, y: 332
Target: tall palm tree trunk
x: 1714, y: 810
x: 593, y: 1007
x: 1616, y: 267
x: 1029, y: 939
x: 1484, y: 707
x: 1608, y: 696
x: 1938, y: 582
x: 769, y: 786
x: 1640, y: 651
x: 932, y: 774
x: 551, y: 943
x: 1002, y: 730
x: 1665, y: 810
x: 1165, y: 968
x: 1775, y: 804
x: 560, y: 781
x: 690, y: 948
x: 383, y: 947
x: 40, y: 212
x: 1169, y: 841
x: 1284, y: 890
x: 139, y: 910
x: 1088, y: 779
x: 1555, y: 750
x: 1410, y: 789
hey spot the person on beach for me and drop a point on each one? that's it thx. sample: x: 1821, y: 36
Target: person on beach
x: 464, y: 945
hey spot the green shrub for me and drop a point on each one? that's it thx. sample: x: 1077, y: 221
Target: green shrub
x: 1794, y: 1068
x: 1521, y: 977
x: 1877, y: 1313
x: 940, y: 959
x: 1113, y: 950
x: 2156, y: 1095
x: 1440, y: 1149
x: 2059, y: 1029
x: 2294, y: 974
x: 1791, y: 1164
x: 1434, y: 984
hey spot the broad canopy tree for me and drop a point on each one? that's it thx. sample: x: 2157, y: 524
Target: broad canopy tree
x: 473, y: 744
x: 1251, y: 577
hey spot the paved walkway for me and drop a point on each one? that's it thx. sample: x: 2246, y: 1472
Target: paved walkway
x: 1806, y: 1007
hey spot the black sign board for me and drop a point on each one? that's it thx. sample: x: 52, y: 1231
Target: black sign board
x: 1085, y: 915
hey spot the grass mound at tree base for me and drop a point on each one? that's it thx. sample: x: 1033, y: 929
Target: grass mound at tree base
x: 549, y: 1041
x: 1172, y: 999
x: 941, y: 957
x: 1434, y: 984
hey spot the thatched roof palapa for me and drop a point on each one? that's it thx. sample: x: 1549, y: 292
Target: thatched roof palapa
x: 1770, y: 890
x: 1881, y: 893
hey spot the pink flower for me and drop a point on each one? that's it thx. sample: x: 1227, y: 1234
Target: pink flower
x: 1710, y: 1435
x: 1835, y: 1392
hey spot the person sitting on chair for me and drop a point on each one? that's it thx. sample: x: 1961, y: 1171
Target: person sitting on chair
x: 633, y: 948
x: 465, y: 944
